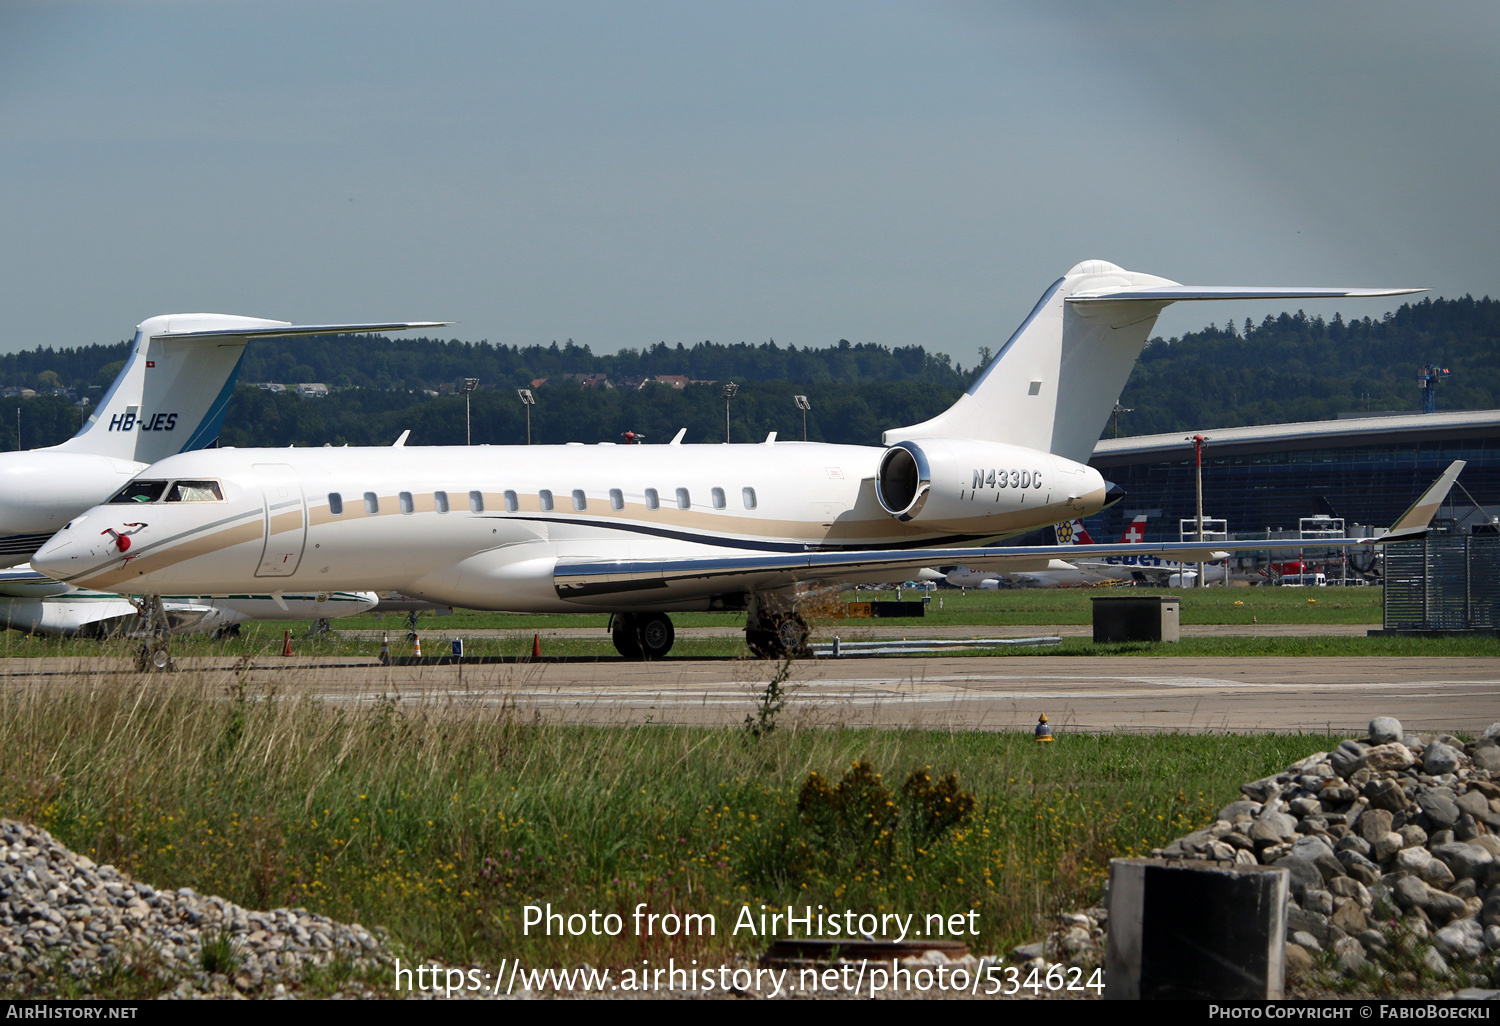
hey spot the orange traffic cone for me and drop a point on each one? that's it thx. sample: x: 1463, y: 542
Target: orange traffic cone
x: 416, y: 647
x: 286, y: 644
x: 536, y: 646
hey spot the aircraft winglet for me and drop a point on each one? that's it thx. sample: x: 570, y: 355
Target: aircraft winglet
x: 1416, y: 519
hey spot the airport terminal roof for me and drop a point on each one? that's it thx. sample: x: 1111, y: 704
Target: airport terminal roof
x: 1399, y: 429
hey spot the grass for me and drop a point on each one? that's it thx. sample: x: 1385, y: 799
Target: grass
x: 442, y: 828
x: 263, y: 642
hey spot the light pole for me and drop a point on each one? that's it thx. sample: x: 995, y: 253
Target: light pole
x: 1117, y: 411
x: 527, y: 400
x: 728, y: 393
x: 469, y: 385
x: 804, y: 406
x: 1198, y: 441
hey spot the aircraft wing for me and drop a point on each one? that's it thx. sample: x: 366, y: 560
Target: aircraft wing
x: 586, y: 578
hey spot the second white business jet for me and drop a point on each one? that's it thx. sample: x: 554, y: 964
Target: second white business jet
x: 641, y: 531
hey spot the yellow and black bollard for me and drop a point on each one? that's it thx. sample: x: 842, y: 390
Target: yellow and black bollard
x: 1043, y: 732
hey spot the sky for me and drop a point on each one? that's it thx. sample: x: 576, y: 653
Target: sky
x: 622, y: 173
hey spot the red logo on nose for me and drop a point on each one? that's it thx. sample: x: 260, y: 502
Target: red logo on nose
x: 122, y: 538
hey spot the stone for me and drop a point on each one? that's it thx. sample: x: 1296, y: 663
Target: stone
x: 1298, y: 961
x: 1443, y: 811
x: 1389, y: 757
x: 1373, y: 940
x: 1373, y: 824
x: 1348, y: 916
x: 1306, y: 941
x: 1489, y: 842
x: 1465, y: 860
x: 1385, y: 729
x: 1440, y: 758
x: 1318, y: 901
x: 1264, y: 835
x: 1387, y: 846
x: 1349, y: 952
x: 1234, y: 810
x: 1353, y: 842
x: 1412, y: 835
x: 1474, y: 803
x: 1411, y: 892
x: 1265, y: 789
x: 1461, y: 940
x: 1348, y: 757
x: 1385, y: 794
x: 1436, y: 874
x: 1487, y: 759
x: 1442, y: 906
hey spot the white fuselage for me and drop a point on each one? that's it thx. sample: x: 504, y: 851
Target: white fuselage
x: 485, y: 527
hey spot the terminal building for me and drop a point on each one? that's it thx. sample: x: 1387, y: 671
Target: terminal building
x: 1365, y: 470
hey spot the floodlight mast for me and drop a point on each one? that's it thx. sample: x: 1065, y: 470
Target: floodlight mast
x: 728, y: 394
x: 527, y: 400
x: 804, y: 406
x: 469, y: 385
x: 1198, y: 441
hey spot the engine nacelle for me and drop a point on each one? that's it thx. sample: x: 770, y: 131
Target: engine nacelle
x: 977, y: 487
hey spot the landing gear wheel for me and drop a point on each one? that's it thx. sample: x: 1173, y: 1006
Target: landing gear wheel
x: 656, y: 635
x: 626, y: 637
x: 154, y: 657
x: 780, y: 635
x: 642, y: 635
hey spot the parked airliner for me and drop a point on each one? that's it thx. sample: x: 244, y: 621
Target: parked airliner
x: 169, y: 397
x: 36, y: 604
x: 641, y: 531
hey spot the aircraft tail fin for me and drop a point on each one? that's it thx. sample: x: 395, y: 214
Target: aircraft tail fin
x: 1136, y: 532
x: 1415, y: 521
x: 178, y: 379
x: 1054, y: 383
x: 1072, y: 532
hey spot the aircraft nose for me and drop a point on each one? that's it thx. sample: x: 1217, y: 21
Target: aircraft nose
x: 1113, y: 493
x: 64, y: 554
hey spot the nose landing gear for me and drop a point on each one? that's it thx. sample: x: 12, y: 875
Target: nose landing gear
x: 642, y: 635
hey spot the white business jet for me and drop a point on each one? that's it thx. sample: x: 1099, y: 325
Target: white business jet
x: 169, y: 397
x: 641, y: 531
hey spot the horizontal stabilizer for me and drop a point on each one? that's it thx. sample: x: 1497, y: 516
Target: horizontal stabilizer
x: 1181, y: 293
x: 282, y: 330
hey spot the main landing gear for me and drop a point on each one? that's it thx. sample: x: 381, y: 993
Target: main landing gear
x: 642, y: 635
x: 777, y: 635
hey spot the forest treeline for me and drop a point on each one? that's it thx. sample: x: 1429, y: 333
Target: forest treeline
x: 1287, y: 368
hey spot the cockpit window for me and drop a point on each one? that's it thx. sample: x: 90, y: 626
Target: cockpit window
x: 195, y: 491
x: 139, y: 491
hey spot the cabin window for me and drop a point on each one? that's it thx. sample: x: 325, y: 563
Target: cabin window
x: 616, y: 499
x: 139, y: 491
x: 546, y: 496
x: 747, y: 496
x: 335, y: 503
x: 407, y: 506
x: 195, y: 491
x: 652, y: 500
x: 511, y: 502
x: 580, y: 501
x: 372, y: 503
x: 718, y: 494
x: 440, y: 501
x: 683, y: 500
x: 476, y: 502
